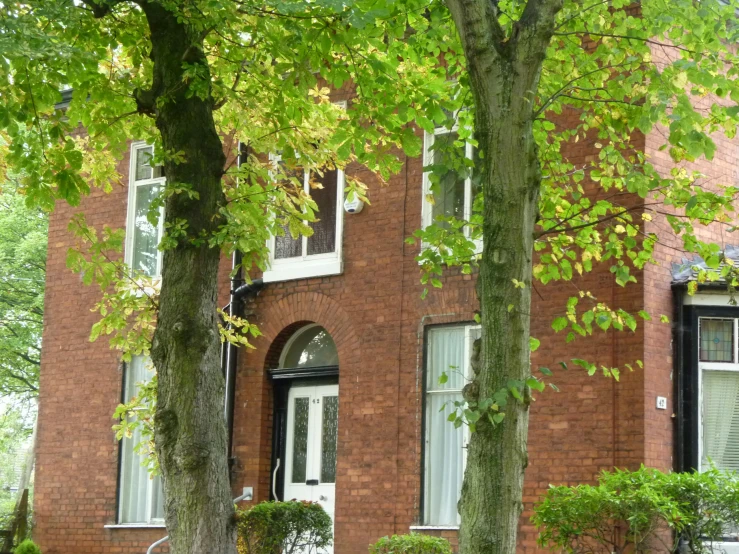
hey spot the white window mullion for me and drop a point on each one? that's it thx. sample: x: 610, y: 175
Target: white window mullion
x: 149, y: 500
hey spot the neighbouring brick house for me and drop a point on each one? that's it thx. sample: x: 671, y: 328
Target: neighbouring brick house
x: 340, y: 400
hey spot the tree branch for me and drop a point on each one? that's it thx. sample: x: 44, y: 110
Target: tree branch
x: 538, y: 18
x: 101, y: 8
x: 478, y: 26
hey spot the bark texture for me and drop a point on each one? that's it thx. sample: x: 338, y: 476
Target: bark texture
x: 504, y: 74
x: 190, y: 431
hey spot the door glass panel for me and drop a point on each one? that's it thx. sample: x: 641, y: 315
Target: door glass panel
x: 313, y: 347
x: 300, y: 439
x: 329, y: 435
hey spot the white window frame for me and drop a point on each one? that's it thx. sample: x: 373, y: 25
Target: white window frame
x: 469, y: 329
x: 315, y: 265
x: 713, y: 366
x: 125, y: 454
x: 427, y: 208
x: 133, y: 185
x: 713, y: 300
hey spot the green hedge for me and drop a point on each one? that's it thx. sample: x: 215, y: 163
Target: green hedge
x: 283, y: 528
x: 413, y: 543
x: 27, y: 547
x: 640, y: 511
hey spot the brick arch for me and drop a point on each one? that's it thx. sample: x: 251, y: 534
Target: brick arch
x: 292, y: 311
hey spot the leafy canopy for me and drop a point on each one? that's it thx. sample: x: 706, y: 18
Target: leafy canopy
x: 614, y: 73
x: 22, y: 279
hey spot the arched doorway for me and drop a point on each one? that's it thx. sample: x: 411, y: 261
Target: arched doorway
x: 306, y: 418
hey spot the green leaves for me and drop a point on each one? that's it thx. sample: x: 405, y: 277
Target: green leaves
x: 696, y: 506
x: 22, y: 279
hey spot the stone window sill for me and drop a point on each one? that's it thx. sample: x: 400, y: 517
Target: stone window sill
x: 136, y: 526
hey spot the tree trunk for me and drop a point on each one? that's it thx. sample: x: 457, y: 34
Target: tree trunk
x: 504, y: 74
x: 190, y: 431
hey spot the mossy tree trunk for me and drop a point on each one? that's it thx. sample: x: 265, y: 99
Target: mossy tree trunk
x: 504, y: 70
x: 190, y: 431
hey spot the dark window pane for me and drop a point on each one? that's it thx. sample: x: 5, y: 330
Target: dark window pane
x: 323, y: 239
x: 286, y: 246
x: 717, y: 340
x: 449, y: 192
x: 300, y: 439
x: 329, y: 434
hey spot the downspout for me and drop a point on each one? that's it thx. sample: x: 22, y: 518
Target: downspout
x: 229, y: 353
x: 239, y: 292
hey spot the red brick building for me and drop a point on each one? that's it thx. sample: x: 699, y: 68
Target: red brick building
x: 340, y: 400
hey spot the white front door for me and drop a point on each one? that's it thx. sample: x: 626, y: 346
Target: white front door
x: 312, y: 433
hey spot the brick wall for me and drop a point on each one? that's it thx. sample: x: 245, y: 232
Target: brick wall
x: 376, y: 316
x: 80, y: 386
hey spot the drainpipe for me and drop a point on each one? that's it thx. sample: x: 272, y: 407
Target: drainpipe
x: 229, y: 356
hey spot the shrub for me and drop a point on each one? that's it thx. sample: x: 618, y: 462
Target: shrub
x: 284, y: 528
x: 27, y: 547
x: 413, y: 543
x: 640, y: 511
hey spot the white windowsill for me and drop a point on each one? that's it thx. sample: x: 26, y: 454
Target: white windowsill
x: 303, y: 269
x: 135, y: 526
x: 434, y: 527
x: 727, y: 547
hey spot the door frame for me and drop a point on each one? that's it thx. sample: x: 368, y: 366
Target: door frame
x: 282, y: 381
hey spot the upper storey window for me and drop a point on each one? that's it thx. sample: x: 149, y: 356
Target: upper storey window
x: 449, y: 189
x: 142, y: 237
x: 320, y: 253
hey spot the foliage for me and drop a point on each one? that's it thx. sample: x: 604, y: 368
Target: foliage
x: 27, y: 547
x: 22, y: 279
x: 412, y: 543
x: 16, y: 422
x: 284, y: 527
x: 611, y: 73
x: 644, y: 510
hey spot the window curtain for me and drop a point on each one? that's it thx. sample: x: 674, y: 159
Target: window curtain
x: 135, y: 501
x: 721, y: 419
x: 445, y: 443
